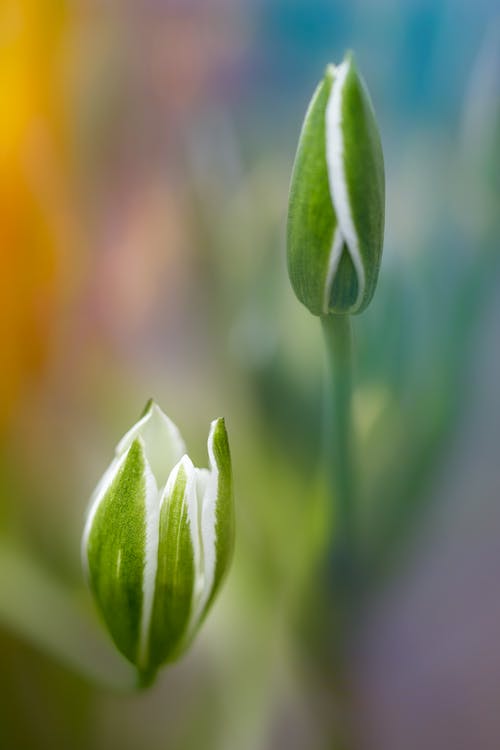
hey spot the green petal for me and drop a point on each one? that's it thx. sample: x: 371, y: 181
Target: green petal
x: 311, y: 217
x: 364, y: 173
x: 116, y: 551
x: 218, y: 512
x: 175, y: 574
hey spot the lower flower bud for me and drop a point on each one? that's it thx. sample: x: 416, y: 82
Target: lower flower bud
x: 158, y: 539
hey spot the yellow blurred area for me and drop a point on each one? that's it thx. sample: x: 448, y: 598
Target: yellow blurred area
x: 31, y: 150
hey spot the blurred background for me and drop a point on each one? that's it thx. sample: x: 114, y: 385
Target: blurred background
x: 145, y: 153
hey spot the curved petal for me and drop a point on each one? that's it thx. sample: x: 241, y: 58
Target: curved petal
x: 116, y: 549
x: 356, y: 178
x: 311, y: 221
x: 217, y: 519
x: 176, y: 565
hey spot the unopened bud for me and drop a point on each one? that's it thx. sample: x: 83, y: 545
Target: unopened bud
x: 336, y: 206
x: 158, y: 539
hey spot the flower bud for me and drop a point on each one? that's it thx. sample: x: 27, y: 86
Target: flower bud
x: 336, y: 205
x: 158, y: 539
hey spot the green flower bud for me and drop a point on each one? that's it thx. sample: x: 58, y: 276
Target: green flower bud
x: 336, y: 206
x: 158, y: 539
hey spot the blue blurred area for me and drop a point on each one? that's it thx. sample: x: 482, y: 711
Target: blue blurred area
x: 415, y: 54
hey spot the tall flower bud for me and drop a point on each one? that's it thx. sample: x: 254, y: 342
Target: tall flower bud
x: 336, y: 206
x: 158, y: 539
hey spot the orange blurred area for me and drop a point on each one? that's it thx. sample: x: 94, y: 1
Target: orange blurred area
x: 32, y: 134
x: 96, y: 236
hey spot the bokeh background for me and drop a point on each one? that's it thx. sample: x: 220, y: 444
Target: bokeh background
x: 145, y: 154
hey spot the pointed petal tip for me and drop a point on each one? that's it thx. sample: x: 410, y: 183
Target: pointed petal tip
x: 153, y: 410
x: 186, y: 465
x: 333, y: 69
x: 217, y: 427
x: 216, y: 422
x: 150, y: 403
x: 330, y: 70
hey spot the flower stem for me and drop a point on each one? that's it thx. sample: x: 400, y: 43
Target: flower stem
x: 339, y: 450
x: 343, y: 567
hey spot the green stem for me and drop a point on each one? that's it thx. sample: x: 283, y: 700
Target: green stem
x: 340, y: 470
x: 339, y: 450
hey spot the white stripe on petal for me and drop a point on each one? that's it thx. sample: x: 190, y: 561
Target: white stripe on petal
x: 336, y: 175
x: 202, y: 482
x: 208, y: 485
x: 152, y: 522
x: 333, y: 262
